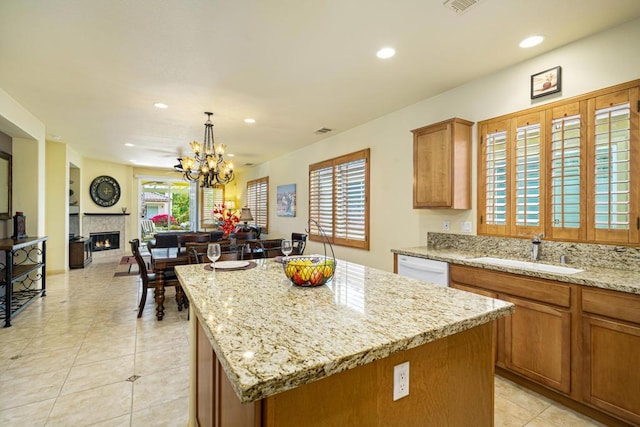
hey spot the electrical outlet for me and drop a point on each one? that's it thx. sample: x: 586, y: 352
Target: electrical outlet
x: 401, y: 380
x: 465, y: 226
x: 446, y: 225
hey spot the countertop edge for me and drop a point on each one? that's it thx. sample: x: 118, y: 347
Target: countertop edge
x: 591, y: 277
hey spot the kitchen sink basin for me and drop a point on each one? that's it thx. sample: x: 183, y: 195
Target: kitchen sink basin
x: 525, y: 265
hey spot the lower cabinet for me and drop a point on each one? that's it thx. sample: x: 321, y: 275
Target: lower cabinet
x: 611, y: 343
x: 579, y: 342
x: 537, y: 343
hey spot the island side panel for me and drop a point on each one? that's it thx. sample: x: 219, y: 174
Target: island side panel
x: 451, y: 383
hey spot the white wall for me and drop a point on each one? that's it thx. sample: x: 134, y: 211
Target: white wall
x: 593, y: 63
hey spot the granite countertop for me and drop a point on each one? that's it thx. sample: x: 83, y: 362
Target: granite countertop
x: 605, y: 278
x: 271, y: 336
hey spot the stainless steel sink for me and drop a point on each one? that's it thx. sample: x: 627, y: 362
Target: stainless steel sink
x: 525, y: 265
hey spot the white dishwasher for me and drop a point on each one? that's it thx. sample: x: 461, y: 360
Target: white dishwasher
x: 436, y: 272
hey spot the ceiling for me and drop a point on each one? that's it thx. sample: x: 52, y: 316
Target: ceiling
x: 91, y: 70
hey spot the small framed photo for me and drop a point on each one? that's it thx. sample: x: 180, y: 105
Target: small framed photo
x: 546, y: 82
x: 286, y: 200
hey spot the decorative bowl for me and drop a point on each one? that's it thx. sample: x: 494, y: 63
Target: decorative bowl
x: 309, y: 271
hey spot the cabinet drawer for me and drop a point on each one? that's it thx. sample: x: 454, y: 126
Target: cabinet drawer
x: 612, y: 304
x: 532, y: 288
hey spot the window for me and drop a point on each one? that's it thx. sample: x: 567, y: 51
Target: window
x: 210, y: 197
x: 339, y: 200
x: 257, y: 201
x: 569, y: 169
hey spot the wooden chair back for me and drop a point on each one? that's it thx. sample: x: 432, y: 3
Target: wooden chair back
x: 298, y: 241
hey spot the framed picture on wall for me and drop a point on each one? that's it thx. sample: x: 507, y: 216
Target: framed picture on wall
x: 546, y: 82
x: 286, y: 195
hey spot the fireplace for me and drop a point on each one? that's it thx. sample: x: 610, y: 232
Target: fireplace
x: 105, y: 241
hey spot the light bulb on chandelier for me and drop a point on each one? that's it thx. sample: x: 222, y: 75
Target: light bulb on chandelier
x: 207, y: 163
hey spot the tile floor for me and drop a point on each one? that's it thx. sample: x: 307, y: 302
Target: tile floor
x: 80, y: 357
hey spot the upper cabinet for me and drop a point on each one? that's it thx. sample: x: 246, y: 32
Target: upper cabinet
x: 442, y: 165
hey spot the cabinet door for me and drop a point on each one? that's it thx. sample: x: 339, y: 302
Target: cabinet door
x: 537, y: 339
x: 611, y: 367
x: 498, y: 324
x: 432, y: 167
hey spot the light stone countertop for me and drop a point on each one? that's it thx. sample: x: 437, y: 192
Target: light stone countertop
x: 604, y: 278
x: 271, y: 336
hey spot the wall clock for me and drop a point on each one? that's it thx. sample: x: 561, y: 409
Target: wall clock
x: 105, y: 191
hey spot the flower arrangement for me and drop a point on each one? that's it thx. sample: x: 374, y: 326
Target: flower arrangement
x: 161, y: 219
x: 226, y: 219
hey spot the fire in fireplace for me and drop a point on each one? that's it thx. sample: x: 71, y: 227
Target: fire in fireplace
x: 105, y: 241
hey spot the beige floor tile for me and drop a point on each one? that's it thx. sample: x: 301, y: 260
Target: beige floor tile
x: 9, y: 349
x: 174, y: 384
x: 520, y: 396
x: 105, y: 349
x: 38, y: 363
x: 123, y: 421
x: 508, y: 414
x: 169, y: 414
x: 91, y: 375
x: 150, y: 362
x: 36, y: 413
x: 34, y: 388
x: 92, y: 406
x: 559, y: 416
x: 43, y: 343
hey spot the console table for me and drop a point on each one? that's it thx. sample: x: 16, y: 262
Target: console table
x: 24, y: 266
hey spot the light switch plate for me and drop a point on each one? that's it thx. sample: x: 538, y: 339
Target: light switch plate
x: 465, y: 226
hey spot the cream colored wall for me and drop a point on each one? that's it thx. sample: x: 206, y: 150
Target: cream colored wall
x: 57, y: 199
x: 28, y: 135
x: 592, y: 63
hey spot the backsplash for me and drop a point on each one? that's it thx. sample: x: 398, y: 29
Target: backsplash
x: 577, y: 254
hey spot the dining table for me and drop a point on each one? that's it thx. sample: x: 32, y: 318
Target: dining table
x: 163, y: 260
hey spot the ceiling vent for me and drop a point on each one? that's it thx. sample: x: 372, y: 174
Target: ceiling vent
x: 322, y: 131
x: 460, y: 6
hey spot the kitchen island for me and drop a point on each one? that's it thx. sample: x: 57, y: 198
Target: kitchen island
x: 268, y: 353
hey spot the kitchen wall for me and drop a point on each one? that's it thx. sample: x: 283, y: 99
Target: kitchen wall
x: 593, y: 63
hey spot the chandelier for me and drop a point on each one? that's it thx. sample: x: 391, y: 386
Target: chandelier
x: 207, y: 164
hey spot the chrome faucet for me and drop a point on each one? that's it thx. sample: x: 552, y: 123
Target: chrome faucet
x: 535, y: 246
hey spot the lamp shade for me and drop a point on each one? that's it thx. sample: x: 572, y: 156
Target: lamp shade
x: 245, y: 215
x: 230, y: 204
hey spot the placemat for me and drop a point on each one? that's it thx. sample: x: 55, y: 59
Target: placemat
x: 250, y: 266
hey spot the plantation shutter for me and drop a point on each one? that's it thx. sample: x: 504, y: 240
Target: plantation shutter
x: 338, y: 200
x: 258, y: 202
x: 493, y: 196
x: 209, y: 197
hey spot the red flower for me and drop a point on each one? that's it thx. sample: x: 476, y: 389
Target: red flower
x: 226, y: 219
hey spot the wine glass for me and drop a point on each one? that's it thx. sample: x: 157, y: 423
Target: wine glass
x: 213, y: 253
x: 287, y: 247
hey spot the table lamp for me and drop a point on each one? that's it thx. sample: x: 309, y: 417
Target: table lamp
x: 245, y: 216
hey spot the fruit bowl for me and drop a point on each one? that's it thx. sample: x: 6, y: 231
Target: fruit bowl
x: 309, y: 271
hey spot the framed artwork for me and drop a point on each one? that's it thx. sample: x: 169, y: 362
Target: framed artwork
x: 546, y: 82
x: 286, y: 196
x: 19, y: 226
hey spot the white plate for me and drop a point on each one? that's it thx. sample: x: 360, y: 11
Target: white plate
x: 222, y: 265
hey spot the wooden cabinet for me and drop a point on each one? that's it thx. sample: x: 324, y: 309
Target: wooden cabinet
x: 80, y: 254
x: 611, y: 359
x: 442, y: 165
x: 579, y: 343
x: 535, y: 341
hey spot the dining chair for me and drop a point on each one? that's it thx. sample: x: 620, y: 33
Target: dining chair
x: 148, y: 280
x: 299, y: 241
x: 183, y: 239
x: 272, y: 247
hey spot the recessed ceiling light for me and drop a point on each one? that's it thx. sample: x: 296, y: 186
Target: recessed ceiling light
x: 386, y: 52
x: 230, y: 155
x: 160, y: 105
x: 56, y: 137
x: 128, y: 144
x: 249, y: 120
x: 531, y: 41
